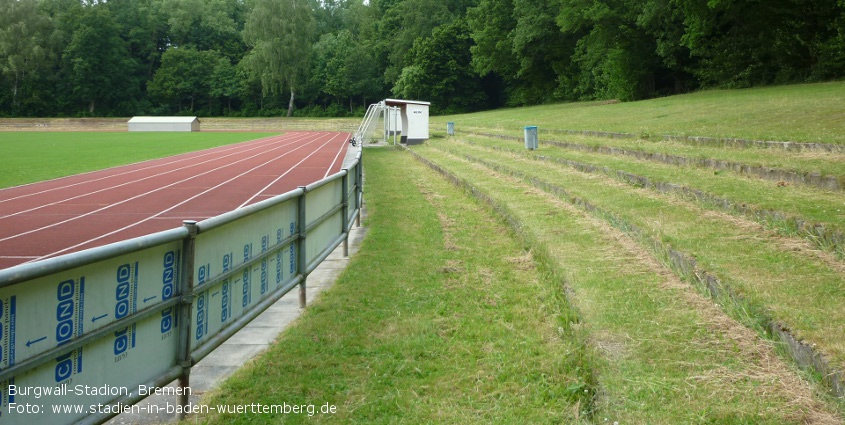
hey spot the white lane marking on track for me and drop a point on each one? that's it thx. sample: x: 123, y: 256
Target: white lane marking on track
x: 339, y: 151
x: 202, y: 153
x: 285, y: 173
x: 163, y: 211
x: 138, y: 180
x: 146, y: 193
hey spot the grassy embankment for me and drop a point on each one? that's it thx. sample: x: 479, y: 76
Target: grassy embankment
x: 622, y: 268
x: 804, y: 113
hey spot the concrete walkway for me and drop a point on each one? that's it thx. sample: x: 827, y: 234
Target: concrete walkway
x: 247, y: 343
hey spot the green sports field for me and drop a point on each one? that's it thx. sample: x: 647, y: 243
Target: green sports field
x: 36, y: 156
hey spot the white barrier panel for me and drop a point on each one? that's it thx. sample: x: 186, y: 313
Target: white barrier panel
x: 51, y: 311
x: 321, y: 202
x: 84, y: 381
x: 322, y: 235
x: 226, y: 248
x: 351, y: 195
x: 83, y: 332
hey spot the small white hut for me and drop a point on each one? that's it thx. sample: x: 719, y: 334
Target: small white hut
x: 164, y: 124
x: 414, y: 115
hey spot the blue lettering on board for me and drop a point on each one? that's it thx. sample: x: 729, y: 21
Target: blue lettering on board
x: 202, y: 325
x: 69, y: 297
x: 247, y: 278
x: 225, y: 303
x: 168, y: 280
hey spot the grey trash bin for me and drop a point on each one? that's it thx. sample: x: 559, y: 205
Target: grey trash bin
x: 531, y: 141
x: 450, y: 128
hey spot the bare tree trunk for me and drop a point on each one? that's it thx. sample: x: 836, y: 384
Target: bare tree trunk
x: 290, y: 104
x: 91, y: 107
x: 15, y: 91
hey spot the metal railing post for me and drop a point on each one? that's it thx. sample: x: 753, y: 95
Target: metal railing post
x: 301, y: 260
x: 186, y: 291
x: 344, y: 199
x: 359, y: 184
x: 396, y: 114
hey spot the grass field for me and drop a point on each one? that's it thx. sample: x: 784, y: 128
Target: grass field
x: 596, y: 280
x: 36, y: 156
x: 805, y: 113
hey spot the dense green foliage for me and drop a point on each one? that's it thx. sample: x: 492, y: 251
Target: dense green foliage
x: 333, y: 57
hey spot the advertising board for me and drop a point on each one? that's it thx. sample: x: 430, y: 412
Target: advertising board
x: 45, y: 314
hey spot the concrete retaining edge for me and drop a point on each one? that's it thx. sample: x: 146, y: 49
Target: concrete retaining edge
x: 714, y: 141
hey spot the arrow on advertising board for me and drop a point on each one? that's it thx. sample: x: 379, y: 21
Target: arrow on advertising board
x: 94, y: 319
x: 29, y: 343
x: 146, y: 300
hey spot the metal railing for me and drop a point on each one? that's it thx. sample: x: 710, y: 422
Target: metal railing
x: 85, y: 335
x: 369, y: 124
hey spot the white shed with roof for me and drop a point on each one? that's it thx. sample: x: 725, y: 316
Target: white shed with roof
x: 164, y: 124
x: 414, y: 115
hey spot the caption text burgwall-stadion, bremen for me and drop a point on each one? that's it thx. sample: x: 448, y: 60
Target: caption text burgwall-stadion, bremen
x: 168, y: 408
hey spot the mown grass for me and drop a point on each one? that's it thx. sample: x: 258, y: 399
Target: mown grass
x: 770, y: 276
x: 825, y: 163
x: 668, y: 354
x: 441, y: 317
x: 36, y: 156
x: 807, y: 113
x: 807, y: 203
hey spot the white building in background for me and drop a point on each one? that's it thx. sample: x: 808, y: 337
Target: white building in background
x: 164, y: 124
x: 414, y: 115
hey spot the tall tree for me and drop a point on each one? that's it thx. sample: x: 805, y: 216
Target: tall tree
x: 144, y: 26
x: 492, y: 25
x: 24, y: 44
x: 828, y: 44
x: 745, y: 43
x: 224, y: 82
x: 330, y: 15
x: 280, y: 33
x: 404, y: 23
x: 519, y: 41
x: 344, y: 69
x: 440, y: 71
x: 207, y: 25
x: 663, y: 21
x: 185, y: 75
x: 616, y: 57
x: 96, y: 60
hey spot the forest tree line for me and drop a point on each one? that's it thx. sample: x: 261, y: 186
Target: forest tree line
x: 333, y: 57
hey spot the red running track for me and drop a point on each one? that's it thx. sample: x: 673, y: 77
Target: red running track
x: 56, y: 217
